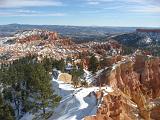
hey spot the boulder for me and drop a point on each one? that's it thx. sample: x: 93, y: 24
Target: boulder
x: 65, y: 77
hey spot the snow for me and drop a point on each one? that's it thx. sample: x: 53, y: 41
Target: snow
x: 27, y: 33
x: 75, y: 106
x: 27, y: 116
x: 147, y: 40
x: 88, y: 76
x: 76, y: 103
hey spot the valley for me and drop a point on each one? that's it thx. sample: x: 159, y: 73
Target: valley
x: 116, y: 78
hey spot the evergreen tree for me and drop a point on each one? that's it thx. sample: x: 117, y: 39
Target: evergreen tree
x: 42, y: 86
x: 6, y: 111
x: 76, y: 75
x: 103, y: 63
x: 27, y: 78
x: 47, y: 63
x: 93, y: 64
x: 61, y: 65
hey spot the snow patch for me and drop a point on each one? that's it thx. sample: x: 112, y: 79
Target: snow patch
x: 76, y: 103
x: 27, y: 116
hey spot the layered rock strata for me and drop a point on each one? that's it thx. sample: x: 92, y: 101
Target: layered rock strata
x: 136, y: 93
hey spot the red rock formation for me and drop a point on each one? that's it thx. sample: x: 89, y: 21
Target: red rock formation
x: 106, y: 46
x: 64, y: 42
x: 136, y: 82
x: 112, y: 60
x: 43, y: 35
x: 29, y: 39
x: 115, y: 106
x: 52, y: 36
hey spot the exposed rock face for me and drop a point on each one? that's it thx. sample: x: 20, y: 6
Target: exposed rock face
x: 32, y: 35
x: 29, y: 39
x: 135, y: 84
x: 65, y: 77
x: 110, y: 45
x: 115, y: 106
x: 64, y: 42
x: 112, y: 60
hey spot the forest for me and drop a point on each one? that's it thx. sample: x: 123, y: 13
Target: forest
x: 25, y: 86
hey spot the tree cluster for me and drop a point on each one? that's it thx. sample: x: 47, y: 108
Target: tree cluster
x: 27, y: 86
x: 93, y: 64
x: 77, y: 73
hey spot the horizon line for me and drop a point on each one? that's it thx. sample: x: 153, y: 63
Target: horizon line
x: 69, y: 25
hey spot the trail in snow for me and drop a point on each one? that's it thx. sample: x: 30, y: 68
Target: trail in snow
x: 88, y: 76
x: 72, y: 106
x: 75, y: 103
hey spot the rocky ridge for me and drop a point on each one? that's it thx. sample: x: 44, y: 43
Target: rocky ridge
x: 136, y: 90
x: 46, y: 43
x: 134, y: 79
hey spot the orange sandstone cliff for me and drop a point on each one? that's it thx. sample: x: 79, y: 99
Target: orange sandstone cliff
x: 136, y: 95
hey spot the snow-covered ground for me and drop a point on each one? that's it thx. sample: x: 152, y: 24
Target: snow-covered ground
x: 88, y: 76
x: 27, y: 116
x: 76, y: 103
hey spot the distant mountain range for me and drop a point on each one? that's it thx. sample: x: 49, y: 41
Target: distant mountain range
x: 64, y: 29
x: 146, y: 39
x: 143, y: 38
x: 77, y: 33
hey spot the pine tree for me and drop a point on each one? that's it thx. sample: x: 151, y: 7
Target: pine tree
x: 6, y: 111
x: 93, y: 64
x: 47, y: 63
x: 76, y: 75
x: 37, y: 84
x: 61, y: 65
x: 103, y: 63
x: 42, y: 86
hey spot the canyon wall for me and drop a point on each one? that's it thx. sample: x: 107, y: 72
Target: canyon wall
x: 136, y: 85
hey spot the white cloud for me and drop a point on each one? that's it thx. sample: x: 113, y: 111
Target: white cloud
x: 147, y: 9
x: 24, y: 12
x: 34, y: 15
x: 28, y: 3
x: 122, y: 1
x: 96, y: 2
x: 90, y: 12
x: 101, y: 0
x: 93, y: 3
x: 134, y: 6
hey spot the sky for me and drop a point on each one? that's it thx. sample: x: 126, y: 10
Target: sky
x: 125, y: 13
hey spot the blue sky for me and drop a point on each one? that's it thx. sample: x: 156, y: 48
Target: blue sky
x: 139, y: 13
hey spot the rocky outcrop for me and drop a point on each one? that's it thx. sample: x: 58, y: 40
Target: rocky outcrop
x: 65, y: 77
x: 115, y: 106
x: 29, y: 39
x: 112, y: 60
x: 112, y: 47
x: 136, y: 84
x: 64, y: 42
x: 33, y: 35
